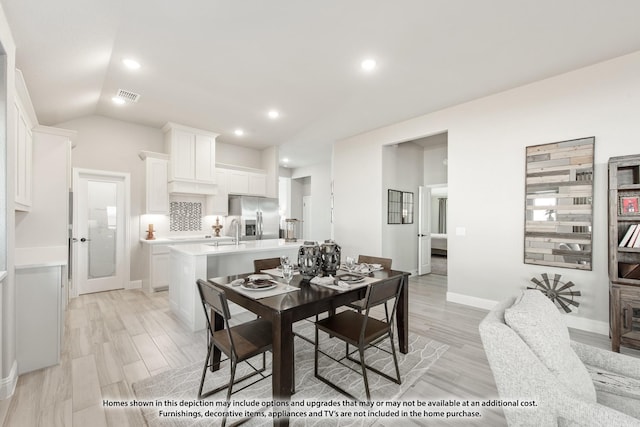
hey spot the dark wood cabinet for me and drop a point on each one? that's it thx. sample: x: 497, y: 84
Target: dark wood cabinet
x: 624, y: 251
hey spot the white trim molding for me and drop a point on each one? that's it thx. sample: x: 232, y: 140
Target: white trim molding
x: 573, y: 321
x: 8, y: 384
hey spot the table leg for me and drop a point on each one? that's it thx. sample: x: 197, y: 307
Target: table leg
x: 283, y: 360
x: 402, y: 316
x: 218, y: 324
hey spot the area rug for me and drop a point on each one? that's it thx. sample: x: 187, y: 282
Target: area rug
x: 170, y: 398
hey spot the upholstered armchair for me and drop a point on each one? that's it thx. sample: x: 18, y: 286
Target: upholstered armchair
x: 533, y: 360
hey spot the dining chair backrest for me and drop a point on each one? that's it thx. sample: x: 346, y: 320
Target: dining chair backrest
x: 265, y: 264
x: 213, y: 298
x: 381, y: 292
x: 384, y: 262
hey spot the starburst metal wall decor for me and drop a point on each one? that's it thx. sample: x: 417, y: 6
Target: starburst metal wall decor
x: 557, y: 291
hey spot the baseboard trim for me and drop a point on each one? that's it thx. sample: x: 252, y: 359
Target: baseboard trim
x: 8, y: 384
x: 573, y: 321
x: 135, y: 284
x: 486, y: 304
x: 588, y: 325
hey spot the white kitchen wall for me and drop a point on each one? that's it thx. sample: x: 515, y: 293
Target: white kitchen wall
x: 239, y: 156
x: 8, y: 364
x: 46, y: 224
x: 486, y: 151
x: 113, y: 145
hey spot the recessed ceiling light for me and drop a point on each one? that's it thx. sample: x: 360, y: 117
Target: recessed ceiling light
x: 132, y: 64
x: 239, y: 132
x: 118, y: 100
x: 368, y: 64
x: 274, y: 114
x: 285, y: 160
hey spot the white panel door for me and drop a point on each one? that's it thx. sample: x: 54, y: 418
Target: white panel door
x: 424, y: 230
x: 101, y: 224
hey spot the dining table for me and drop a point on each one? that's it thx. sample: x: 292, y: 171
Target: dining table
x: 307, y: 300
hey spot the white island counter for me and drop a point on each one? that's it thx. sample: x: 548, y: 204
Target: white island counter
x: 202, y: 261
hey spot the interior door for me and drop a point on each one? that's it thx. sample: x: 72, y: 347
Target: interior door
x: 100, y: 231
x: 424, y: 230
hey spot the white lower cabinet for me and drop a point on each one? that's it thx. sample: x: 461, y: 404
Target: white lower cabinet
x: 157, y: 278
x: 39, y: 316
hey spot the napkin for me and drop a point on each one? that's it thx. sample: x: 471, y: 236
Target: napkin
x: 255, y: 277
x: 367, y: 268
x: 329, y: 280
x: 326, y: 280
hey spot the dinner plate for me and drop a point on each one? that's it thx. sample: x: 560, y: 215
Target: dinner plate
x: 350, y: 278
x: 259, y: 285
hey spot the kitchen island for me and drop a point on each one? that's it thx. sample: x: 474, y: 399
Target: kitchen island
x: 187, y: 263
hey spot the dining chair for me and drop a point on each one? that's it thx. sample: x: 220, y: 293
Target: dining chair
x: 384, y: 262
x: 238, y: 343
x: 386, y: 265
x: 362, y: 331
x: 265, y: 264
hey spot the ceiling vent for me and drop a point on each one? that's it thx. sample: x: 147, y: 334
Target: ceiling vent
x: 128, y: 95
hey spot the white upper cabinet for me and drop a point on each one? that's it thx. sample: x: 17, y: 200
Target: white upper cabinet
x: 245, y: 182
x: 156, y: 182
x: 25, y: 120
x: 219, y: 204
x: 192, y: 159
x: 205, y: 156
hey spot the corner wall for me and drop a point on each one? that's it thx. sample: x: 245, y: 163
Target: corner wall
x: 113, y: 145
x: 486, y: 149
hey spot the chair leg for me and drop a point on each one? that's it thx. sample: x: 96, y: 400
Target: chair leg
x: 315, y: 355
x: 347, y: 351
x: 364, y: 372
x: 229, y: 390
x: 204, y: 370
x: 395, y: 358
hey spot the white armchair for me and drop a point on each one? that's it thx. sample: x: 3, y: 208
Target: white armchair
x: 533, y: 359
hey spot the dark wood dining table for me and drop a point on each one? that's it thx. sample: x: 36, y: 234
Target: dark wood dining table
x: 284, y: 310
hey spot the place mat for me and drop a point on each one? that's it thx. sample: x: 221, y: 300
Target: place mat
x: 280, y: 288
x: 278, y: 272
x: 329, y: 283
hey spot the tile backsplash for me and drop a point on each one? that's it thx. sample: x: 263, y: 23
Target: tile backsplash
x: 185, y: 216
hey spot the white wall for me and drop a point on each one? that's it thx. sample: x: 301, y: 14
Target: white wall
x: 46, y: 224
x: 8, y: 365
x: 486, y: 151
x: 403, y: 169
x: 113, y: 145
x: 236, y: 155
x: 435, y: 164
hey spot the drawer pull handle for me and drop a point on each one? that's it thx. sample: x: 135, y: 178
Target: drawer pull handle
x: 624, y: 318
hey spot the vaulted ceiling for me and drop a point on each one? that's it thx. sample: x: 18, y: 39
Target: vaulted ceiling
x: 222, y: 65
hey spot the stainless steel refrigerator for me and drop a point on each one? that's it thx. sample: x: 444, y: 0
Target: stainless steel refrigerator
x: 259, y: 217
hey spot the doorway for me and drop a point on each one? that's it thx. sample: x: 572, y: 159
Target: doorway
x: 306, y: 217
x: 101, y: 212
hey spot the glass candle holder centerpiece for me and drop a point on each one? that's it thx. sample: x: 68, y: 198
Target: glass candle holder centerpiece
x: 290, y: 232
x: 330, y: 252
x: 309, y: 260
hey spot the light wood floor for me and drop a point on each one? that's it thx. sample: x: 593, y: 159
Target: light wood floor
x: 114, y: 339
